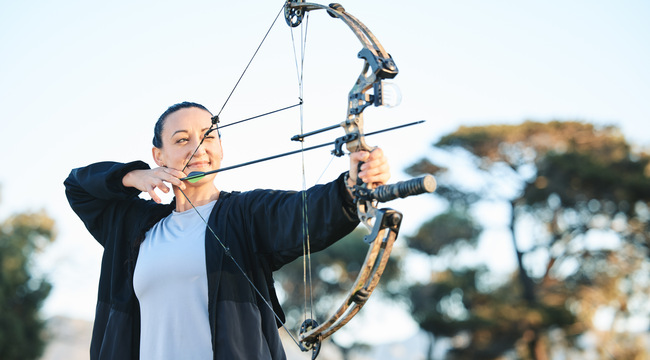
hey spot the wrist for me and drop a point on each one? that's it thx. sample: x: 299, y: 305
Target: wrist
x: 127, y: 180
x: 349, y: 182
x: 349, y: 185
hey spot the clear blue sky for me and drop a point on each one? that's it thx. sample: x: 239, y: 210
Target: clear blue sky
x: 82, y: 82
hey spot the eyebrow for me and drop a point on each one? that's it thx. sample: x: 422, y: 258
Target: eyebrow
x: 186, y: 131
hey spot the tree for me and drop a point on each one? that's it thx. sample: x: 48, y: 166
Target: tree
x: 333, y: 272
x: 22, y: 294
x: 568, y: 186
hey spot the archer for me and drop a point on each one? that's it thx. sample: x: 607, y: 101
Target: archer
x: 193, y: 278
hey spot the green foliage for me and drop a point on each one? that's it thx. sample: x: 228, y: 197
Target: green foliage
x: 518, y: 144
x: 575, y: 176
x: 495, y: 319
x: 445, y: 230
x: 568, y: 183
x: 21, y: 294
x: 333, y: 273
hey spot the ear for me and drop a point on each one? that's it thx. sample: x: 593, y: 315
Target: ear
x: 157, y: 156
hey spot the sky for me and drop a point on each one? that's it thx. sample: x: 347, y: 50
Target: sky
x: 82, y: 82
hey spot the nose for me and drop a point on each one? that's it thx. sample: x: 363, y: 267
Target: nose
x: 200, y: 146
x: 201, y: 149
x: 196, y: 150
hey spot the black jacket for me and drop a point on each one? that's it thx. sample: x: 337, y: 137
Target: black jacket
x: 262, y: 229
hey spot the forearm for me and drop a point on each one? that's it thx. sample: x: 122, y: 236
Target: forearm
x: 92, y: 189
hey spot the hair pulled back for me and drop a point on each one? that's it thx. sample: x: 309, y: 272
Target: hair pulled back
x: 160, y: 124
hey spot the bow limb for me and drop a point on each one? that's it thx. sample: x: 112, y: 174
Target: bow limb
x: 294, y: 10
x: 381, y: 239
x: 381, y: 243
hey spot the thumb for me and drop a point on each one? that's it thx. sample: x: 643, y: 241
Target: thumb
x: 355, y: 159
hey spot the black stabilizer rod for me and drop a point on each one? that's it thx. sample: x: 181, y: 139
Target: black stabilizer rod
x: 402, y: 189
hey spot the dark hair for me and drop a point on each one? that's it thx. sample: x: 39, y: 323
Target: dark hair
x: 158, y: 128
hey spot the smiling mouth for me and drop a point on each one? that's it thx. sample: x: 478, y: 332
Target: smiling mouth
x: 199, y: 164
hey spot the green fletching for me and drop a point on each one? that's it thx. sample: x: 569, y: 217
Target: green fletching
x: 195, y: 176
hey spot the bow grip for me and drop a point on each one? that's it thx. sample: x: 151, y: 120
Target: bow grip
x: 402, y: 189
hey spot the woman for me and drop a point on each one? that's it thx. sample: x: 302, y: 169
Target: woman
x: 166, y: 290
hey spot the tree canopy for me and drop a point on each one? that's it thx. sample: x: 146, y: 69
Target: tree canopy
x: 21, y: 292
x: 578, y: 198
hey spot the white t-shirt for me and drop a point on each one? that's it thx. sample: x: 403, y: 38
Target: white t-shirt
x: 171, y: 284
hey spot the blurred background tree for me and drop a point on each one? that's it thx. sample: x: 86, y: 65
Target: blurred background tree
x: 333, y: 272
x: 577, y: 200
x: 22, y: 331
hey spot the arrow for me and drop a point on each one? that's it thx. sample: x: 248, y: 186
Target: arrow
x: 195, y: 176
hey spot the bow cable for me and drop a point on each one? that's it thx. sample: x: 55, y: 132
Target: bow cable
x: 306, y: 244
x: 250, y: 61
x: 261, y: 115
x: 214, y: 126
x: 215, y: 119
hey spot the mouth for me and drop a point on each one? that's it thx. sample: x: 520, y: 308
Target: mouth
x: 199, y: 164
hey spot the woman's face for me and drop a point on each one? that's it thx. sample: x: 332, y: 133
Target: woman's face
x: 182, y: 132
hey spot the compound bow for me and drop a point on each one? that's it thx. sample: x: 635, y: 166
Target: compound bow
x: 383, y: 224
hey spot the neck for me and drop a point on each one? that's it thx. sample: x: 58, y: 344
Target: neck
x: 197, y: 196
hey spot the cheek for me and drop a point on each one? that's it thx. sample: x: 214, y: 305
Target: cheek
x: 217, y: 151
x: 175, y: 158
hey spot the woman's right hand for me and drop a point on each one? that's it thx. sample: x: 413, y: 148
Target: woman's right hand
x: 148, y: 180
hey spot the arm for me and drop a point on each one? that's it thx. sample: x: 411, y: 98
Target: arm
x: 274, y: 219
x: 277, y: 217
x: 96, y: 193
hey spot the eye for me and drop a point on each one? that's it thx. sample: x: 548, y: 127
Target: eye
x: 182, y: 140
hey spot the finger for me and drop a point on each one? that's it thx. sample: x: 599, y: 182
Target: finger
x: 376, y: 153
x: 376, y: 171
x: 378, y: 179
x: 375, y: 163
x: 356, y: 158
x: 373, y: 168
x: 177, y: 176
x: 161, y: 185
x: 175, y: 173
x: 172, y: 176
x: 154, y: 196
x: 359, y: 156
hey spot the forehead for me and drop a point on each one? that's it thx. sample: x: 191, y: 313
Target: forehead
x: 188, y: 119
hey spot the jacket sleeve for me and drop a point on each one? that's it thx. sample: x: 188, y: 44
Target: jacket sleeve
x: 277, y: 221
x: 97, y: 196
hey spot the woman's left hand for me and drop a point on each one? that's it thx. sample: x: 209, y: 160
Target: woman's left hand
x: 375, y: 170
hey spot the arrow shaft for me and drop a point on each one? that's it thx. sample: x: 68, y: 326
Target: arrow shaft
x: 197, y: 176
